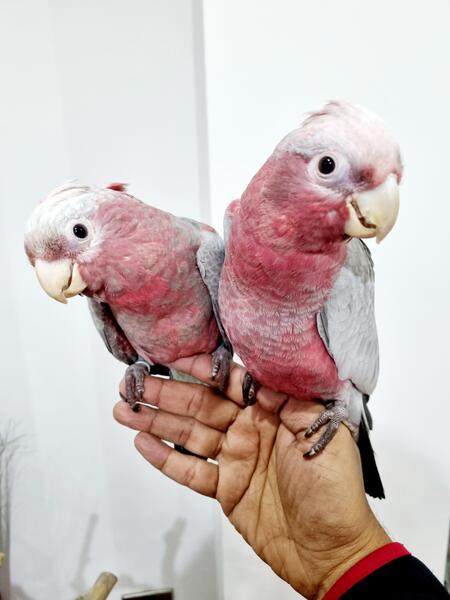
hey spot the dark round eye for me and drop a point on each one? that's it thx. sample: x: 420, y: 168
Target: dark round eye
x: 326, y: 165
x: 80, y: 231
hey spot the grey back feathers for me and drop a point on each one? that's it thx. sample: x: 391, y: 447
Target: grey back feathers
x: 346, y: 322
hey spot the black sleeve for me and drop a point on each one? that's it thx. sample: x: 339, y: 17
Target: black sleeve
x: 405, y: 578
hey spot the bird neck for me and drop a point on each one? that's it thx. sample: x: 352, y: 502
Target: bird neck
x: 289, y: 214
x: 259, y: 267
x: 280, y: 249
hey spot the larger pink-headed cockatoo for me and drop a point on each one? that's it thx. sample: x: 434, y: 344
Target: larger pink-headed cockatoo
x: 296, y: 291
x: 151, y: 278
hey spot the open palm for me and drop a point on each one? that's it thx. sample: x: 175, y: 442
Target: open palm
x: 307, y: 518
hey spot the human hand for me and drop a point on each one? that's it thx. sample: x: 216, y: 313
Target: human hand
x: 307, y: 518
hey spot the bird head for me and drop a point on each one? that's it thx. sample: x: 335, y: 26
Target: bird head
x: 339, y: 172
x: 64, y: 236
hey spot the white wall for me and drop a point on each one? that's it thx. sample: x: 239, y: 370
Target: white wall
x: 103, y: 91
x: 267, y: 63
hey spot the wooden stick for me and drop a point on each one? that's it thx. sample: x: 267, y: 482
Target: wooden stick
x: 2, y: 558
x: 102, y: 587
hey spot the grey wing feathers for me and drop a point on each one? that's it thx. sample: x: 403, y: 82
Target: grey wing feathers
x: 210, y: 257
x: 111, y: 333
x: 346, y: 322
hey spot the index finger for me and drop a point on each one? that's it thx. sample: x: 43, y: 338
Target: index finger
x: 199, y: 366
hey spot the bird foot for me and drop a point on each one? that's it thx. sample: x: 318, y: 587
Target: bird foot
x: 335, y: 412
x: 250, y: 388
x: 221, y: 361
x: 134, y: 383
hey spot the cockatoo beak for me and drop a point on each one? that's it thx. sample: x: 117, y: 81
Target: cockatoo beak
x: 60, y: 279
x: 373, y: 213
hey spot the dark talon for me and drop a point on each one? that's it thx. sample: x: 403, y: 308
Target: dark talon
x: 322, y: 419
x: 221, y: 361
x: 332, y: 418
x: 324, y: 440
x: 250, y: 388
x: 134, y: 383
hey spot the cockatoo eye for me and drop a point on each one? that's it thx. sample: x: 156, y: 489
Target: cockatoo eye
x: 330, y: 169
x: 80, y: 231
x: 326, y: 165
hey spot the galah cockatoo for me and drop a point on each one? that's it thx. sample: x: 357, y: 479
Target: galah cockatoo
x: 296, y: 292
x: 151, y: 279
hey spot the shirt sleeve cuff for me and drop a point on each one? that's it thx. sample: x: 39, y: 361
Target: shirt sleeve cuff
x: 367, y: 565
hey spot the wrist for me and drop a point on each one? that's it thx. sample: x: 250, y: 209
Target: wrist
x: 345, y: 557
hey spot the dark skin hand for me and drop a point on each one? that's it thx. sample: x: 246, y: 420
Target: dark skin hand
x: 307, y: 518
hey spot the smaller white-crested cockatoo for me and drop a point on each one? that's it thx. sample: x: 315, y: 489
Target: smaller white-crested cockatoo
x: 296, y: 293
x: 150, y: 278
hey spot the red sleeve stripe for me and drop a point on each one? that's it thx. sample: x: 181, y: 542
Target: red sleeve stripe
x: 365, y: 567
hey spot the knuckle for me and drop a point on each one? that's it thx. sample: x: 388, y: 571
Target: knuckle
x: 217, y: 447
x: 186, y: 432
x: 153, y: 389
x: 149, y: 420
x: 195, y: 401
x: 190, y: 475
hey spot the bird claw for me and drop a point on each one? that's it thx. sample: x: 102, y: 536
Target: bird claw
x: 332, y: 418
x: 250, y: 388
x: 134, y: 383
x: 220, y: 370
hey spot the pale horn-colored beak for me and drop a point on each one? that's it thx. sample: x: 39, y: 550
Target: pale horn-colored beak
x: 373, y: 213
x: 60, y: 279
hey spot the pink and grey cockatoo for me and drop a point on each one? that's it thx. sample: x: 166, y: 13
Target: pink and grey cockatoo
x: 151, y: 279
x: 296, y: 292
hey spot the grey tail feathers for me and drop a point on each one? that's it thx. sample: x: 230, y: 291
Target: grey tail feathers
x: 371, y: 476
x: 367, y: 411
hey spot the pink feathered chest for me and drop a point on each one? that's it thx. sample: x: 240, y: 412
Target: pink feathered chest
x: 155, y: 291
x: 269, y: 307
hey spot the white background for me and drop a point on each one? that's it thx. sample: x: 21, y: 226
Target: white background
x: 107, y: 90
